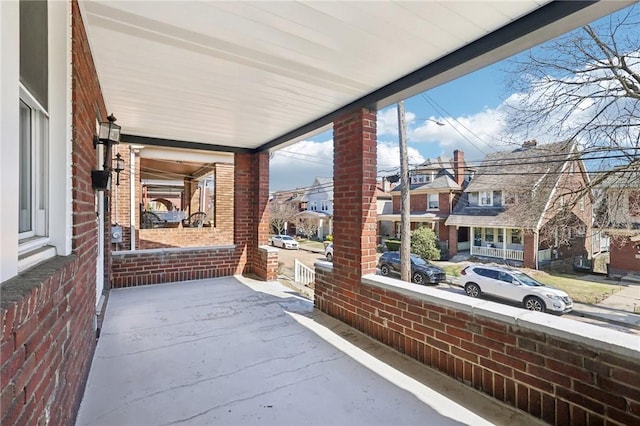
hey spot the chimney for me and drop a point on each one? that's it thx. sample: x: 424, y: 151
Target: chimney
x: 386, y: 185
x: 529, y: 144
x: 458, y: 166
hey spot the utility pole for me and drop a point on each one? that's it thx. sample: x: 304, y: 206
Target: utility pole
x: 405, y: 201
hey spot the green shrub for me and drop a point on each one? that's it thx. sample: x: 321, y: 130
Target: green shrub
x: 425, y: 244
x: 328, y: 237
x: 393, y: 245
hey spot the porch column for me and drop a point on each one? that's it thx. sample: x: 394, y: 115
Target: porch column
x: 453, y: 240
x: 530, y: 249
x: 354, y: 170
x: 472, y: 240
x: 504, y: 243
x: 251, y: 216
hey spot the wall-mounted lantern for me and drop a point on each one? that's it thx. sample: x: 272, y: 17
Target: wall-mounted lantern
x: 118, y: 166
x: 108, y: 135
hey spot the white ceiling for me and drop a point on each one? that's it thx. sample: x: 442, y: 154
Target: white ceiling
x: 250, y: 74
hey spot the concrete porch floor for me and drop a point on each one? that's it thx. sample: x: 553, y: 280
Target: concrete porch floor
x: 233, y: 351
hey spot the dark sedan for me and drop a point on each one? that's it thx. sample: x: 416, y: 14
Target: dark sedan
x: 422, y: 272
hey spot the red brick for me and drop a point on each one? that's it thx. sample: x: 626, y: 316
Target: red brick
x: 581, y: 400
x: 537, y: 383
x: 623, y: 417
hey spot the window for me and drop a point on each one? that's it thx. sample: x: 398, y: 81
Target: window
x: 473, y: 199
x: 488, y: 234
x: 313, y: 205
x: 581, y: 204
x: 418, y: 179
x: 433, y: 202
x: 324, y: 205
x: 33, y: 170
x: 500, y: 235
x: 497, y: 198
x: 516, y: 236
x: 486, y: 198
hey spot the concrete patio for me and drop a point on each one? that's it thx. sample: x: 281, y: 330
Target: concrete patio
x: 233, y: 351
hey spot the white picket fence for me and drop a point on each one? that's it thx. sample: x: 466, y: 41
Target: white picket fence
x: 303, y: 274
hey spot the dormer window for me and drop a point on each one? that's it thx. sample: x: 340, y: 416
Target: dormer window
x: 486, y: 198
x: 420, y: 179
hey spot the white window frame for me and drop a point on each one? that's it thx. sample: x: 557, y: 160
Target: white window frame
x: 437, y: 201
x: 313, y: 205
x: 482, y: 197
x: 38, y: 233
x: 324, y: 205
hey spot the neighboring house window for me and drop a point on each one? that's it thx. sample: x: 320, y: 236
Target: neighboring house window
x: 433, y: 202
x: 500, y: 235
x: 324, y: 205
x: 486, y: 198
x: 313, y: 205
x: 33, y: 155
x: 488, y: 234
x: 473, y: 199
x: 417, y: 179
x: 497, y: 198
x: 516, y: 236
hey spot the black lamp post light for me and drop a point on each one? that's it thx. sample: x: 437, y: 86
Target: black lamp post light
x: 108, y: 135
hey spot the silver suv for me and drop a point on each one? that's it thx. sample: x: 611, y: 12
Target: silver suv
x: 516, y: 286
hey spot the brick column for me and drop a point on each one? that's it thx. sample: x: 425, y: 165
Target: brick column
x: 251, y: 215
x: 530, y: 249
x: 453, y: 240
x: 354, y: 170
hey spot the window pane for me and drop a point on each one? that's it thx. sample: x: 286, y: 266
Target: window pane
x: 25, y: 221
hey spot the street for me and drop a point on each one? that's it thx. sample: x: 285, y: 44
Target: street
x: 308, y: 258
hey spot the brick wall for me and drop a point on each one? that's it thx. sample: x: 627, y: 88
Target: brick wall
x: 120, y: 196
x: 625, y: 257
x: 558, y: 370
x: 48, y: 312
x: 134, y: 268
x: 183, y: 237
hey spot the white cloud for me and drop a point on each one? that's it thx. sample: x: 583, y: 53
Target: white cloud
x: 389, y: 157
x: 297, y: 165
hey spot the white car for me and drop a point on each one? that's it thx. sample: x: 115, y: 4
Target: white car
x: 284, y: 241
x: 514, y: 285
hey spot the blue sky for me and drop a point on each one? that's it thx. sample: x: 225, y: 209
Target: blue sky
x: 472, y: 110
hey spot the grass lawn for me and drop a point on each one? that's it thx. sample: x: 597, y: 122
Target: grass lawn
x: 580, y: 291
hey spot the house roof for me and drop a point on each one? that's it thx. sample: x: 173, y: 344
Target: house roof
x: 320, y: 185
x: 529, y: 173
x: 442, y: 181
x: 245, y: 76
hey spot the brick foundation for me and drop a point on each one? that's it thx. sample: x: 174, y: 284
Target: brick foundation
x: 554, y: 372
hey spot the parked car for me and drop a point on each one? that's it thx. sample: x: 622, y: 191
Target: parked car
x: 328, y: 252
x: 284, y: 241
x: 516, y: 286
x: 422, y: 272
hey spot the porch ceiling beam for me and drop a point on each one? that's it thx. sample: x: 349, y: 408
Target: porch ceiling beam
x: 146, y: 140
x: 444, y: 68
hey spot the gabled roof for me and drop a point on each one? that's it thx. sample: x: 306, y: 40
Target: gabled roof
x: 532, y: 173
x: 320, y: 185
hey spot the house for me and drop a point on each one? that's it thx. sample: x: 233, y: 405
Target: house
x: 618, y: 215
x: 318, y: 216
x: 283, y: 207
x: 530, y: 205
x: 435, y: 187
x: 384, y: 201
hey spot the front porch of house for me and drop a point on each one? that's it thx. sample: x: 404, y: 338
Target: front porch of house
x: 237, y: 351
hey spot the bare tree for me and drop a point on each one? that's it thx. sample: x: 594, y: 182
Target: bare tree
x: 585, y: 86
x: 280, y: 213
x: 307, y: 226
